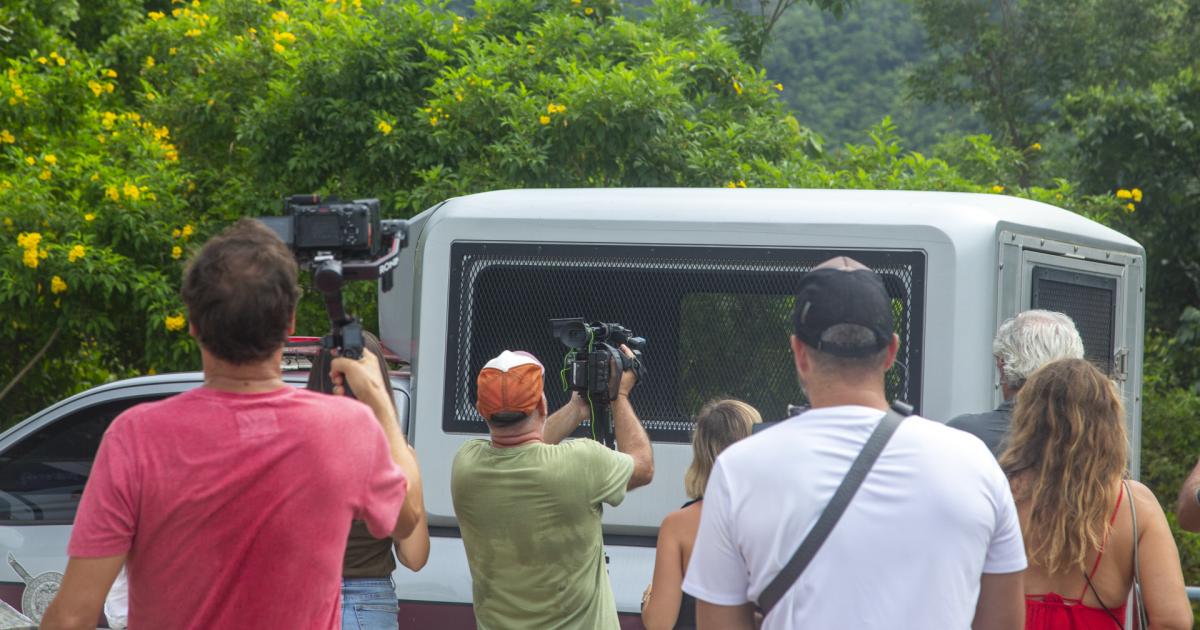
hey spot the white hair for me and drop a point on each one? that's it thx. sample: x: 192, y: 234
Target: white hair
x: 1032, y: 339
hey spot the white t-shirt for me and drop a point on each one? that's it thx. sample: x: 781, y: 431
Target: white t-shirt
x: 934, y: 514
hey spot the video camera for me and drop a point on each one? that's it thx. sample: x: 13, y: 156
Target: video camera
x: 340, y: 241
x: 586, y: 367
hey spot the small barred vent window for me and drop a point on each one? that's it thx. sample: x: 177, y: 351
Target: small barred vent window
x: 1086, y: 298
x: 716, y: 321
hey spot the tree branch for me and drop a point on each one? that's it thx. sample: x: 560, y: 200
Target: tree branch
x: 37, y: 357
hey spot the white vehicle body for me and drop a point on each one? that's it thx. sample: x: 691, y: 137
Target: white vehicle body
x: 705, y: 275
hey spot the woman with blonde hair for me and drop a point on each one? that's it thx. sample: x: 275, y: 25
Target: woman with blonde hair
x: 1066, y: 461
x: 719, y: 424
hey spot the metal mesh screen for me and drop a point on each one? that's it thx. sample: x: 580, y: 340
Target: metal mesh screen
x: 1089, y: 300
x: 716, y: 321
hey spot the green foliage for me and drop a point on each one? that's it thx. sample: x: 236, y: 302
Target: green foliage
x: 1170, y: 442
x: 1012, y: 59
x: 751, y: 21
x: 1148, y: 138
x: 843, y: 74
x: 94, y: 210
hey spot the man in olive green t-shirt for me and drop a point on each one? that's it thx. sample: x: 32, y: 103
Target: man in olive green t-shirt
x: 529, y: 507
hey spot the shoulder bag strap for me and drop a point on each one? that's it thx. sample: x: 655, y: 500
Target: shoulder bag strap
x: 1141, y: 622
x: 833, y: 511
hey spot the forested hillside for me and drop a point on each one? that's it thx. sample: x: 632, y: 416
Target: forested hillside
x: 841, y: 75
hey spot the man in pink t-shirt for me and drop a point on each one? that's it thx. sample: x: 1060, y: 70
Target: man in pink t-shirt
x: 230, y: 504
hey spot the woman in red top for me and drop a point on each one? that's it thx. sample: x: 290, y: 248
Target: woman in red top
x: 1066, y: 457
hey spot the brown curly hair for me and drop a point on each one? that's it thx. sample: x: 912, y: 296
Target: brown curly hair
x: 1067, y: 452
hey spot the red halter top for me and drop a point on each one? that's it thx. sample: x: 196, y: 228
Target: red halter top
x: 1051, y: 611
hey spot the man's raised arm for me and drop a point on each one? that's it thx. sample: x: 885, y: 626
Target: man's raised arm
x: 631, y: 435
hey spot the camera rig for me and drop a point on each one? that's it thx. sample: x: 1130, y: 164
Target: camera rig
x: 340, y: 241
x: 586, y: 367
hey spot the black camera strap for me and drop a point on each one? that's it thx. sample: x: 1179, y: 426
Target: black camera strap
x: 832, y: 513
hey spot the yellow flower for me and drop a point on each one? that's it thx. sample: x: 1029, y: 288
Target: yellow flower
x: 778, y: 86
x: 96, y: 88
x: 45, y: 174
x: 112, y: 193
x: 556, y: 109
x: 156, y: 15
x: 278, y: 47
x: 176, y: 233
x: 171, y: 50
x: 76, y: 253
x: 192, y: 32
x: 176, y: 12
x: 89, y: 217
x: 31, y: 160
x: 59, y: 60
x: 30, y: 258
x: 176, y: 252
x: 280, y: 16
x: 8, y: 222
x: 131, y: 191
x: 108, y: 87
x: 1137, y: 195
x: 112, y: 74
x: 741, y: 183
x: 385, y: 128
x: 1124, y: 194
x: 997, y: 188
x: 731, y: 184
x: 149, y: 63
x: 30, y: 240
x: 433, y: 120
x: 544, y: 119
x: 1129, y: 207
x: 161, y: 133
x: 41, y: 60
x: 589, y: 11
x: 737, y: 87
x: 188, y: 230
x: 57, y: 285
x: 285, y: 37
x: 1036, y: 146
x: 6, y: 137
x: 51, y: 159
x: 175, y: 322
x: 107, y: 119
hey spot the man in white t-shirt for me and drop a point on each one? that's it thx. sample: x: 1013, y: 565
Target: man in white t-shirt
x: 930, y: 540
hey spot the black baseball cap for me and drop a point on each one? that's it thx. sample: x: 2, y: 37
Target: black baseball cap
x: 842, y: 291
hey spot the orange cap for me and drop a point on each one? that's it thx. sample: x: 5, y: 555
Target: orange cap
x: 510, y: 382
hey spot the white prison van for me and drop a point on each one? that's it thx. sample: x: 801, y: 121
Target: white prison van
x: 707, y: 277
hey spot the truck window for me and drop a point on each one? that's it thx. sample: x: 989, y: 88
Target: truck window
x: 42, y: 476
x: 716, y: 320
x: 1089, y: 300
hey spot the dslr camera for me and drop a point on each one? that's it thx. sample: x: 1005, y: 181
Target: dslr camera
x: 340, y: 241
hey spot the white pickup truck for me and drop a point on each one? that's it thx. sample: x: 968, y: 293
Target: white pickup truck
x: 707, y: 277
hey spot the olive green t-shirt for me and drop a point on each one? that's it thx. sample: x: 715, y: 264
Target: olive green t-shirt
x: 530, y: 521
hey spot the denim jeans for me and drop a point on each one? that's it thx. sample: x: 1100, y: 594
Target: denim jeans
x: 369, y: 604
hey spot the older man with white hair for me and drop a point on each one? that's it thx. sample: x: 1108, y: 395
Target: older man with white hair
x: 1023, y: 344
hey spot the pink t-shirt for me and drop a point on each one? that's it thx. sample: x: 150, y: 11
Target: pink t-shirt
x: 234, y: 508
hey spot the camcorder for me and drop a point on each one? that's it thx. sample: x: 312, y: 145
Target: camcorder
x: 587, y: 369
x: 340, y: 241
